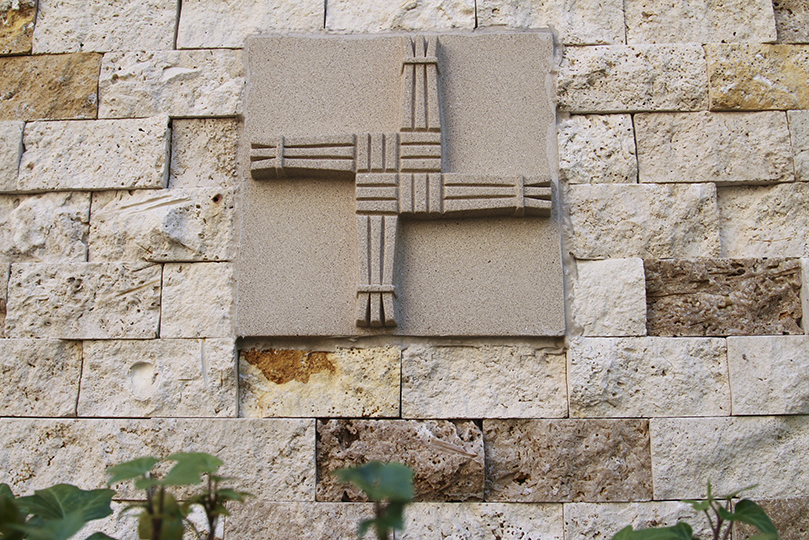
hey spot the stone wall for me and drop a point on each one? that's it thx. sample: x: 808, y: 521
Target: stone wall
x: 683, y: 147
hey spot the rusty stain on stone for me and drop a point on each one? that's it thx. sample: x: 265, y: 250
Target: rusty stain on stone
x: 282, y: 366
x: 17, y: 28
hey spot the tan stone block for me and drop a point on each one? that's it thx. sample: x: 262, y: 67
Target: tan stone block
x: 792, y: 21
x: 10, y: 152
x: 805, y: 294
x: 197, y: 300
x: 788, y: 516
x: 799, y: 131
x: 601, y: 521
x: 402, y: 15
x: 17, y: 26
x: 343, y: 383
x: 595, y: 149
x: 203, y: 152
x: 263, y: 520
x: 609, y: 298
x: 567, y: 460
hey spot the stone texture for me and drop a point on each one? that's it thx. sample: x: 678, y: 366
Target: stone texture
x: 792, y: 21
x: 483, y: 382
x: 96, y: 154
x: 758, y: 77
x: 609, y: 298
x: 805, y: 294
x: 83, y: 300
x: 166, y: 226
x: 726, y: 148
x: 799, y: 131
x: 17, y: 19
x: 10, y: 152
x: 624, y: 78
x: 642, y: 221
x: 401, y: 15
x: 4, y: 272
x: 40, y: 377
x: 102, y: 26
x: 177, y: 83
x: 343, y: 383
x: 645, y: 377
x: 723, y: 297
x: 154, y: 378
x: 589, y: 521
x: 567, y: 460
x: 203, y: 152
x: 447, y: 457
x: 788, y: 516
x: 49, y: 86
x: 730, y: 453
x: 197, y: 300
x: 263, y: 520
x: 596, y: 149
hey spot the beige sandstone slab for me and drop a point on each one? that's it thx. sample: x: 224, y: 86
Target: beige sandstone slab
x: 596, y: 149
x: 401, y: 15
x: 788, y: 516
x: 601, y: 521
x: 197, y: 300
x: 792, y: 21
x: 799, y: 131
x: 203, y: 152
x: 609, y: 298
x: 264, y: 520
x: 10, y: 152
x: 805, y: 293
x: 4, y: 272
x: 17, y: 20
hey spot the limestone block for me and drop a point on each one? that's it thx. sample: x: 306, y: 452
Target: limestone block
x: 197, y: 300
x: 153, y: 378
x: 612, y: 220
x: 40, y: 377
x: 723, y: 297
x: 167, y: 226
x: 203, y: 152
x: 177, y: 83
x: 596, y: 149
x: 644, y: 377
x: 17, y: 18
x: 757, y: 77
x: 580, y: 23
x: 95, y: 154
x: 4, y: 271
x: 83, y: 300
x: 788, y: 516
x: 700, y: 21
x: 49, y: 86
x: 792, y: 21
x: 343, y: 383
x: 446, y: 456
x: 102, y: 26
x: 805, y: 294
x: 629, y: 78
x: 601, y: 521
x: 402, y: 15
x: 731, y: 453
x: 726, y: 148
x: 609, y: 297
x: 300, y: 520
x: 799, y: 131
x: 567, y: 460
x: 10, y: 152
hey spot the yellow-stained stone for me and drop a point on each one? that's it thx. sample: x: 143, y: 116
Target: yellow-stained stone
x: 17, y: 26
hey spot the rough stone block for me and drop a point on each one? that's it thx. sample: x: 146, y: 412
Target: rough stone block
x: 83, y: 301
x: 402, y: 15
x: 4, y: 272
x: 197, y: 300
x: 792, y: 21
x: 601, y: 521
x: 167, y: 226
x: 95, y: 155
x: 447, y: 457
x: 615, y: 220
x: 203, y: 152
x: 17, y: 18
x: 805, y: 294
x: 10, y: 152
x: 49, y: 86
x: 609, y: 298
x: 758, y: 77
x: 799, y: 131
x: 725, y: 148
x: 483, y: 382
x: 154, y: 378
x: 644, y: 377
x: 595, y: 149
x: 177, y: 83
x: 629, y: 78
x: 343, y: 383
x: 723, y: 297
x: 567, y: 460
x: 788, y: 516
x: 301, y: 520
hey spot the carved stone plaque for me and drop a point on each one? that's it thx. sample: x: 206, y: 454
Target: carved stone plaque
x: 400, y: 184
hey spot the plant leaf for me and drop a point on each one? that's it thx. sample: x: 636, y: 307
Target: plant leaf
x: 131, y: 469
x: 751, y: 513
x: 10, y: 515
x: 53, y: 529
x: 62, y: 500
x: 189, y: 468
x: 680, y: 531
x: 381, y: 481
x: 99, y: 536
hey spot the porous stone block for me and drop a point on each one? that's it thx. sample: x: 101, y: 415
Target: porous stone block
x: 402, y: 15
x: 723, y: 297
x: 645, y: 377
x: 792, y: 21
x: 596, y: 149
x: 725, y: 148
x: 154, y: 378
x: 799, y: 131
x: 602, y: 521
x: 616, y: 220
x: 629, y: 78
x: 567, y: 460
x: 177, y: 83
x: 203, y: 152
x: 167, y: 226
x: 83, y: 300
x: 10, y: 152
x: 483, y: 382
x: 17, y: 18
x: 757, y: 77
x: 788, y: 516
x: 4, y: 271
x: 102, y: 26
x: 805, y: 294
x: 446, y: 456
x: 609, y: 298
x: 95, y: 155
x: 301, y: 520
x: 49, y: 86
x: 732, y: 452
x: 343, y: 383
x: 197, y: 300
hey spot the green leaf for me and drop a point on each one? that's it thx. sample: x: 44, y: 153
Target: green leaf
x: 10, y: 515
x: 681, y: 531
x: 189, y: 468
x: 53, y: 529
x: 751, y: 513
x: 381, y: 481
x: 699, y: 506
x: 146, y: 483
x: 5, y: 491
x: 131, y: 469
x: 62, y: 500
x: 99, y: 536
x: 227, y: 494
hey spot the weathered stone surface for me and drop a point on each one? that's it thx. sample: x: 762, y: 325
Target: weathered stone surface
x: 203, y: 152
x: 483, y: 382
x: 792, y: 21
x: 601, y: 521
x: 83, y: 300
x: 4, y: 272
x: 40, y: 377
x: 343, y: 383
x: 177, y: 83
x: 102, y: 26
x: 609, y: 298
x: 153, y: 378
x: 723, y: 297
x: 301, y: 520
x: 643, y: 377
x: 805, y: 294
x: 373, y: 16
x: 729, y: 148
x: 700, y: 21
x: 731, y: 453
x: 17, y: 19
x: 567, y: 460
x: 788, y: 516
x: 49, y: 86
x: 95, y: 154
x: 447, y: 457
x: 167, y: 226
x: 628, y: 78
x: 799, y: 131
x: 10, y: 152
x: 595, y: 149
x: 642, y: 221
x: 758, y: 77
x: 197, y: 300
